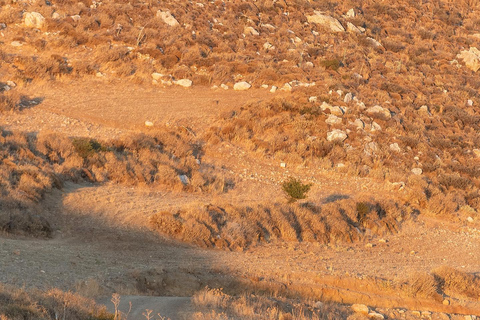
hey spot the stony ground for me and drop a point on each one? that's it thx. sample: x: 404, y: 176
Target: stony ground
x: 102, y: 243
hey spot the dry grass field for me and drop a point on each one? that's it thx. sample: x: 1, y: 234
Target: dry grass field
x: 267, y: 159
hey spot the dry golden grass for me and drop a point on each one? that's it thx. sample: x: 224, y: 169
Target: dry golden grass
x: 18, y: 304
x: 237, y: 228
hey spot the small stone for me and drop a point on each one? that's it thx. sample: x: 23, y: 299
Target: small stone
x: 341, y: 165
x: 417, y: 171
x: 359, y: 124
x: 34, y: 20
x: 283, y: 165
x: 348, y: 97
x: 273, y: 89
x: 425, y: 110
x: 470, y: 219
x: 312, y: 99
x: 360, y: 308
x: 395, y: 147
x: 268, y: 46
x: 333, y: 119
x: 99, y: 74
x: 184, y: 83
x: 329, y: 22
x: 167, y: 17
x: 476, y: 152
x: 412, y: 253
x: 76, y: 18
x: 241, y: 86
x: 286, y: 87
x: 11, y: 84
x: 224, y: 86
x: 56, y: 16
x: 416, y: 313
x: 446, y: 302
x: 264, y: 86
x: 184, y: 179
x: 3, y: 26
x: 251, y: 31
x: 376, y: 127
x: 353, y: 28
x: 376, y: 316
x: 382, y: 240
x: 350, y: 13
x: 470, y: 103
x: 369, y: 245
x: 318, y: 305
x: 378, y: 110
x: 157, y: 76
x: 336, y: 135
x: 16, y: 44
x: 148, y: 124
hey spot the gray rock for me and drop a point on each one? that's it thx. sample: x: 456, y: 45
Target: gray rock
x: 184, y: 179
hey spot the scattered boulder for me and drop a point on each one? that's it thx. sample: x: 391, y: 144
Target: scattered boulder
x: 268, y: 46
x: 148, y: 123
x: 184, y: 83
x: 348, y: 97
x: 359, y: 124
x: 56, y: 16
x: 376, y: 316
x: 471, y: 58
x: 184, y: 179
x: 350, y: 13
x: 34, y: 20
x: 375, y: 127
x: 360, y: 308
x: 417, y: 171
x: 395, y: 147
x: 286, y: 87
x: 476, y: 152
x: 333, y: 119
x: 371, y: 148
x: 336, y: 135
x: 338, y: 111
x: 353, y: 28
x: 167, y: 17
x: 312, y: 99
x: 241, y: 86
x: 224, y: 86
x: 273, y: 89
x: 76, y: 18
x: 251, y: 31
x: 329, y: 22
x: 379, y: 111
x: 425, y: 110
x: 157, y: 76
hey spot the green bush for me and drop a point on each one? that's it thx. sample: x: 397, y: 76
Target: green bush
x: 86, y: 147
x: 295, y: 189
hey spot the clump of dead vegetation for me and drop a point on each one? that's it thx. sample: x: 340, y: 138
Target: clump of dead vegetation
x: 214, y: 304
x: 18, y: 303
x: 237, y: 228
x: 34, y: 164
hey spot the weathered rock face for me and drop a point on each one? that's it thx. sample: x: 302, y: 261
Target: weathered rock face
x: 329, y: 22
x: 167, y: 17
x: 34, y: 20
x: 471, y: 58
x: 336, y: 135
x: 241, y: 86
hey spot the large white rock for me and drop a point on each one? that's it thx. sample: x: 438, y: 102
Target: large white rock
x: 379, y: 111
x: 167, y: 17
x: 329, y: 22
x: 336, y: 135
x: 184, y: 83
x: 241, y: 86
x: 471, y: 58
x: 34, y: 20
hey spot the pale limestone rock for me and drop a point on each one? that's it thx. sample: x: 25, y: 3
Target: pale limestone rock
x: 371, y: 148
x: 273, y: 89
x: 34, y: 20
x: 375, y: 126
x: 312, y: 99
x: 76, y: 18
x: 425, y: 110
x: 286, y: 87
x: 471, y: 58
x: 353, y: 28
x: 56, y: 16
x: 167, y: 17
x: 251, y: 31
x: 336, y: 135
x: 395, y: 147
x: 184, y: 83
x: 417, y: 171
x: 268, y: 46
x: 224, y: 86
x: 333, y: 24
x: 148, y: 123
x: 338, y: 111
x: 360, y: 308
x: 350, y: 13
x: 379, y: 111
x: 359, y: 124
x: 376, y: 316
x: 241, y: 86
x: 348, y: 97
x: 476, y: 152
x: 157, y: 76
x: 333, y: 119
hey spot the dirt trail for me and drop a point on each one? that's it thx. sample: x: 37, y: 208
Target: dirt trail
x: 102, y: 232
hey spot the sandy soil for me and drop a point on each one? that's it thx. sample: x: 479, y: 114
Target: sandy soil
x: 102, y: 243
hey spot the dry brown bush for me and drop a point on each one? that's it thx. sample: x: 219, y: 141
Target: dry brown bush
x: 215, y: 304
x: 18, y: 303
x: 237, y: 228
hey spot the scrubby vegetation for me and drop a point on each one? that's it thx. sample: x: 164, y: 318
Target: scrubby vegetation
x: 34, y: 164
x: 295, y: 190
x: 237, y: 228
x: 52, y: 304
